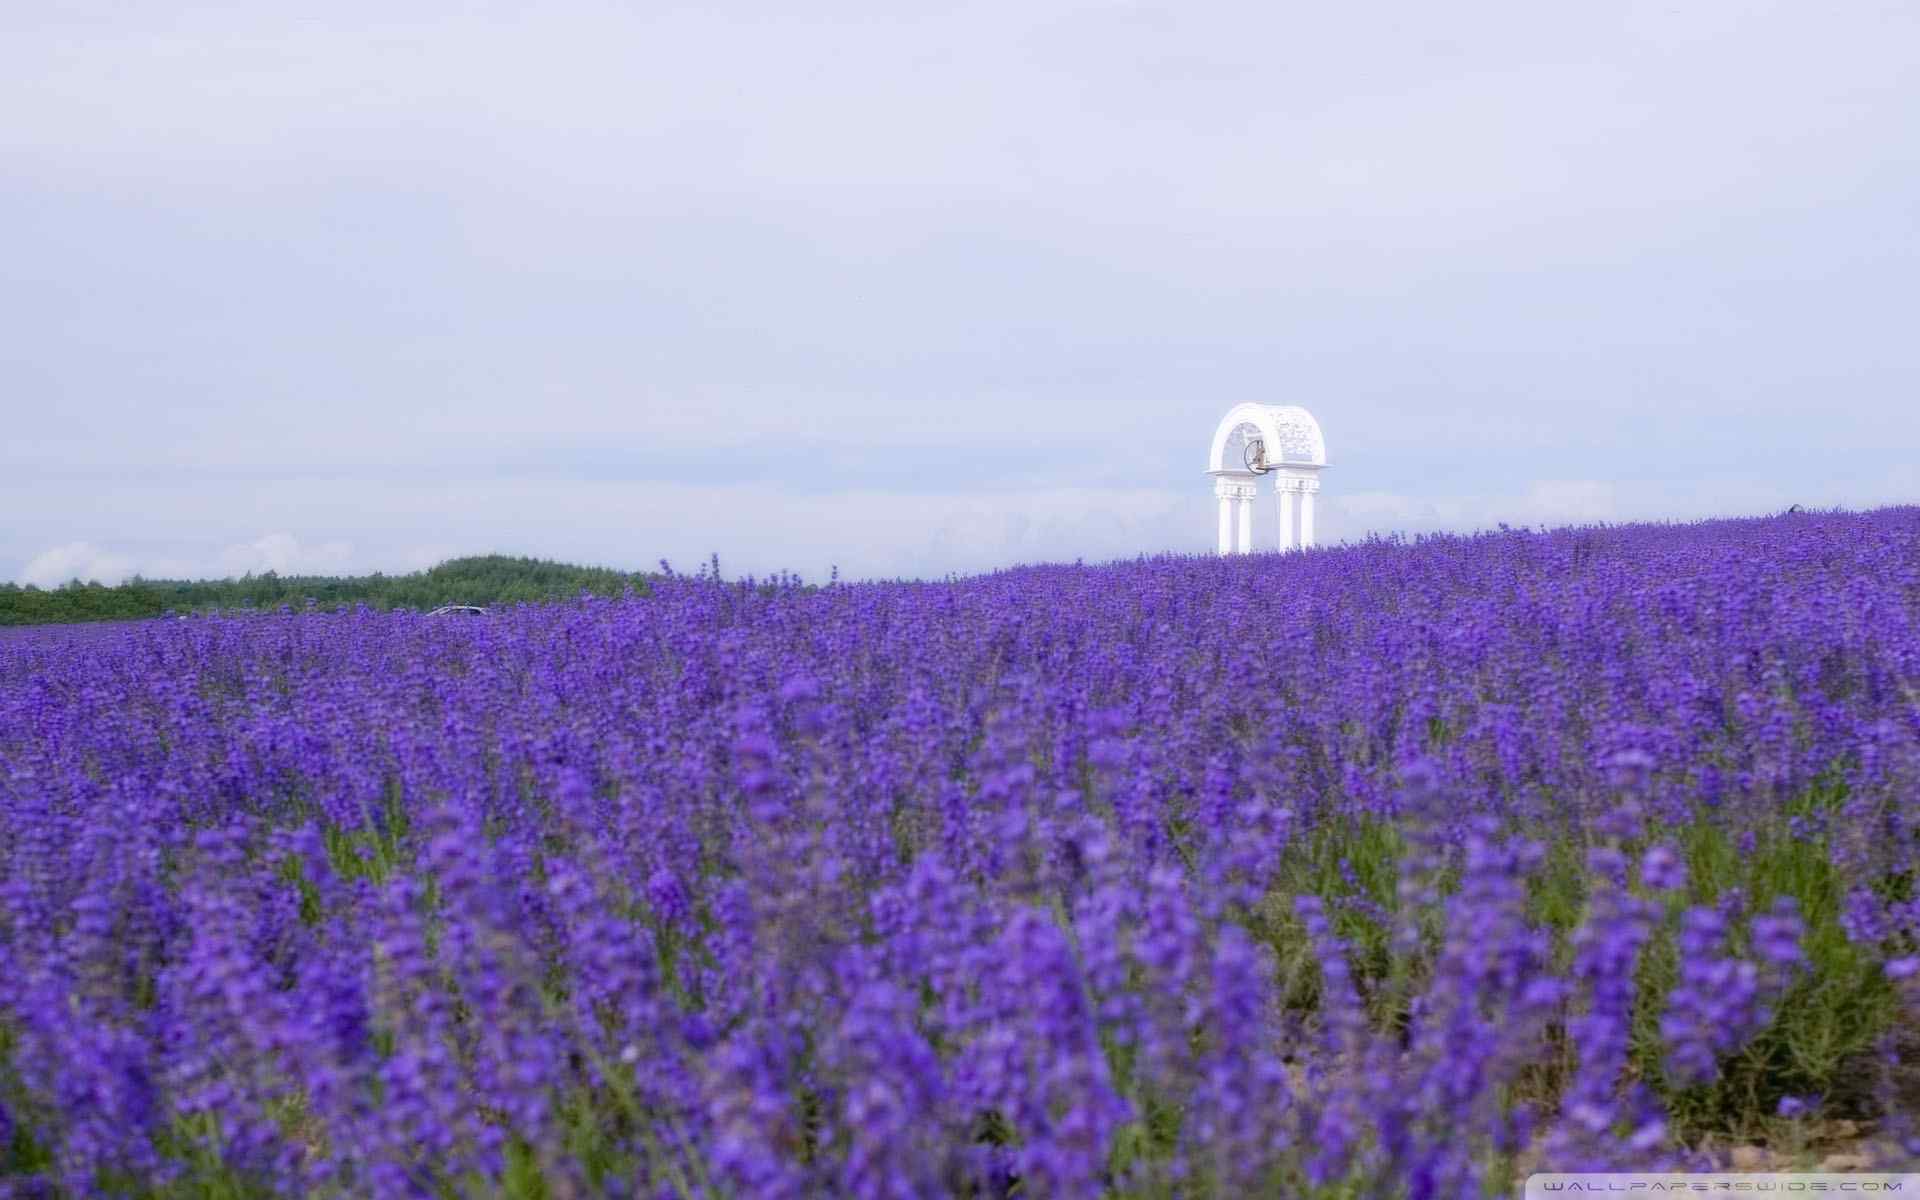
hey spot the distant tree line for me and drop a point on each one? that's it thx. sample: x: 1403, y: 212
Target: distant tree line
x: 489, y: 579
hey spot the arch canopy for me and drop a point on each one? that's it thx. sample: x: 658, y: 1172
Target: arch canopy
x: 1290, y: 433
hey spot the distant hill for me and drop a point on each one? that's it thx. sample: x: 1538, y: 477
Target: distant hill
x: 482, y: 579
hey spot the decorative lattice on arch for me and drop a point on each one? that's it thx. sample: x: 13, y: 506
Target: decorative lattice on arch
x: 1292, y: 450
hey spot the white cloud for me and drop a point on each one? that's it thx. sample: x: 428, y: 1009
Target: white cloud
x: 333, y: 280
x: 759, y: 527
x: 286, y: 555
x: 419, y: 558
x: 279, y: 552
x: 1571, y: 502
x: 1548, y: 502
x: 76, y: 560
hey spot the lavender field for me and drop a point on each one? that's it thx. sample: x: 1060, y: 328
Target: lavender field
x: 1394, y: 869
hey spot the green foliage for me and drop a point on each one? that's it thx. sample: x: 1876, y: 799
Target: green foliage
x: 1822, y: 1031
x: 377, y: 848
x: 1824, y: 1028
x: 491, y: 579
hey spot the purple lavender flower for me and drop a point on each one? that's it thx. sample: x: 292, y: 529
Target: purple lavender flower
x: 1864, y: 918
x: 1792, y: 1107
x: 1629, y: 768
x: 1777, y: 934
x: 1057, y: 881
x: 1662, y: 868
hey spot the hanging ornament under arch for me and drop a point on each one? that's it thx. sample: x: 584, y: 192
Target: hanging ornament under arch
x: 1283, y: 441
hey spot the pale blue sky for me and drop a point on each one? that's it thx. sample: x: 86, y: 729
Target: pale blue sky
x: 915, y: 289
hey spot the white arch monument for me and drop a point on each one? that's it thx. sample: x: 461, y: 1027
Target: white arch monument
x: 1252, y: 440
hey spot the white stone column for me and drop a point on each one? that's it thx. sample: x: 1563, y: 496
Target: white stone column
x: 1285, y: 495
x: 1246, y: 520
x: 1225, y: 493
x: 1306, y: 519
